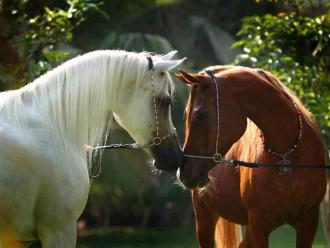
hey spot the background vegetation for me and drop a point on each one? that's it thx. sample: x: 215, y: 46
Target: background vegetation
x: 296, y: 47
x: 291, y: 38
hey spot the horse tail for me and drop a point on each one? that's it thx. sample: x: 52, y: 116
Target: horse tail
x: 227, y: 234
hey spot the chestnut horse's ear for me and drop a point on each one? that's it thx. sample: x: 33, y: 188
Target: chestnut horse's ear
x: 186, y: 77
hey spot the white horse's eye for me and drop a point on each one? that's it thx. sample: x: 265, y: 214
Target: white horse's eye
x: 167, y: 100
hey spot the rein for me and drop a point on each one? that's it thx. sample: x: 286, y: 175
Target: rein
x: 157, y: 140
x: 284, y: 164
x: 258, y: 165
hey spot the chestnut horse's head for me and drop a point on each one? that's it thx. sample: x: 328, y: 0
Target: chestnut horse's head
x: 213, y: 124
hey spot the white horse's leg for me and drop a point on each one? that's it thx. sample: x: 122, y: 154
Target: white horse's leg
x: 14, y: 244
x: 64, y: 238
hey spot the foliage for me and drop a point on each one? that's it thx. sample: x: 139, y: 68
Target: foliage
x: 127, y: 192
x: 296, y: 48
x: 121, y: 184
x: 31, y: 30
x: 120, y: 14
x: 298, y: 6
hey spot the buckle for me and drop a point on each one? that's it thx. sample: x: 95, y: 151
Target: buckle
x: 217, y: 157
x: 156, y: 141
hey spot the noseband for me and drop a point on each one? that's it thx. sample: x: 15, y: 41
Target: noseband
x: 216, y: 157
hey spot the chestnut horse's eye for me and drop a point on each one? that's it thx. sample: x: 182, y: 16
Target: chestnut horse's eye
x: 201, y: 115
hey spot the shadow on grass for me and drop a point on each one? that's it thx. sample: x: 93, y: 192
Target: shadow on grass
x: 184, y: 237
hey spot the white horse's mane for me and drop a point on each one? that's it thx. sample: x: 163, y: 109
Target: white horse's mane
x: 71, y: 102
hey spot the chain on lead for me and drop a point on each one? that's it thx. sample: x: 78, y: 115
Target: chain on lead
x: 156, y: 140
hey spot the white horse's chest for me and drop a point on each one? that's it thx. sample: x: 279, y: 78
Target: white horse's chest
x: 35, y: 190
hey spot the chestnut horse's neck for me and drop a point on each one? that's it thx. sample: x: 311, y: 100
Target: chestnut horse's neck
x: 268, y: 106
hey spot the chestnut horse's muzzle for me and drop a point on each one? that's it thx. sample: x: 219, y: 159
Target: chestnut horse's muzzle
x: 193, y: 175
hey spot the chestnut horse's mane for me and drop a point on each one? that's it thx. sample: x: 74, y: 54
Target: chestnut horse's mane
x: 245, y: 148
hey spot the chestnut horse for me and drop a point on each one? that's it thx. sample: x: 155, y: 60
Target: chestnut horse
x: 248, y: 114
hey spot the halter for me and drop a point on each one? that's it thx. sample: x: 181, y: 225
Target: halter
x: 157, y: 140
x: 295, y: 144
x: 216, y: 157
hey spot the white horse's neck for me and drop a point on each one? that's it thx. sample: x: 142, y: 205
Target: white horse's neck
x: 73, y: 101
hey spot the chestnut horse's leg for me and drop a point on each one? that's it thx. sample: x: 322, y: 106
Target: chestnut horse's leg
x: 247, y: 241
x: 205, y: 222
x: 257, y: 232
x: 306, y: 228
x: 259, y: 235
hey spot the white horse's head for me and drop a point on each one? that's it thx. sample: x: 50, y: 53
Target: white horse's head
x: 145, y: 110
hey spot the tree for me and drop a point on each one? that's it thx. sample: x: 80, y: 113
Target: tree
x: 30, y: 32
x: 295, y: 46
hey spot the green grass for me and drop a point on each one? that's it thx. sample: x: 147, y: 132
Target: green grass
x: 283, y: 237
x: 135, y: 238
x: 161, y: 2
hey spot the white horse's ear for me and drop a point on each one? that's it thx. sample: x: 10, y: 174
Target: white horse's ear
x: 169, y: 56
x: 165, y: 66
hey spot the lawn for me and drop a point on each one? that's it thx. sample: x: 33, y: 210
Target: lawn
x: 135, y: 238
x: 175, y: 238
x: 285, y: 236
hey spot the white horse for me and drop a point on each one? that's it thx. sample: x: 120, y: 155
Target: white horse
x: 44, y: 126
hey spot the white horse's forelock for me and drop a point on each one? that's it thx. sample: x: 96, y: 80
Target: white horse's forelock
x: 71, y: 102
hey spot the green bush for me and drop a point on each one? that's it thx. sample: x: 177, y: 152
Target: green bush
x: 296, y: 48
x: 30, y: 31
